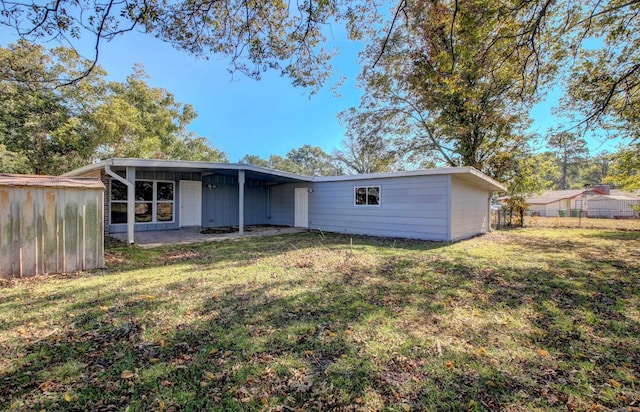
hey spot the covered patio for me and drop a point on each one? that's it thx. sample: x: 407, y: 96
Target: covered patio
x: 194, y: 235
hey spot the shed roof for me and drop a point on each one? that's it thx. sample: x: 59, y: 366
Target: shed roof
x: 466, y: 173
x: 616, y: 197
x: 16, y: 180
x: 551, y: 196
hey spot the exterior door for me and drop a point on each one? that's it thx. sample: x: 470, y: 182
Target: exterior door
x: 190, y: 203
x: 302, y: 207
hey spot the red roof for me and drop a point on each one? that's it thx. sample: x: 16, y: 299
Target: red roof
x: 15, y: 180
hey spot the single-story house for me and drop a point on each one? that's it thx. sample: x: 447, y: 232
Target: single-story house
x: 437, y: 204
x: 560, y: 202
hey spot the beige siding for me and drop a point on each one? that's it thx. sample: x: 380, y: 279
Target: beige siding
x: 469, y: 210
x: 50, y: 230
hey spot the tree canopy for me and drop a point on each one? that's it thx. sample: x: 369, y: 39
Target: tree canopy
x: 49, y: 130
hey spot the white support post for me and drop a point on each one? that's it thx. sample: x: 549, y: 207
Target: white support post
x: 131, y: 192
x: 131, y: 204
x: 241, y: 202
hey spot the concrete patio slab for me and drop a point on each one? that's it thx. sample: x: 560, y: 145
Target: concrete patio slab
x: 191, y: 235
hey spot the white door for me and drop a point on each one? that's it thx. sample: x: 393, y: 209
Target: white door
x: 302, y: 207
x: 190, y: 203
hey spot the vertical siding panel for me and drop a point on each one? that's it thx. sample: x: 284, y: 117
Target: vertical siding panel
x: 5, y: 233
x: 28, y: 244
x: 49, y: 233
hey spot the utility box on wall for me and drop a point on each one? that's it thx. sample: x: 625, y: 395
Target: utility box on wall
x: 50, y: 224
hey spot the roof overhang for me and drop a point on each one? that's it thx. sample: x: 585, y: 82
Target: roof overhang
x: 466, y: 173
x: 251, y: 172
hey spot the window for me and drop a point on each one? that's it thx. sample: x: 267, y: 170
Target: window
x: 154, y: 201
x: 367, y: 196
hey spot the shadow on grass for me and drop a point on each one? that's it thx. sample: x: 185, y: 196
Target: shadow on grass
x: 395, y: 334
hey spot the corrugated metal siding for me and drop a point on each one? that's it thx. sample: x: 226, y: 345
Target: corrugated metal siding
x: 611, y: 208
x: 469, y: 210
x: 50, y: 230
x: 411, y: 207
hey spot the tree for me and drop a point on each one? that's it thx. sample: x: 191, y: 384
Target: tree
x: 624, y: 170
x: 570, y: 152
x: 363, y: 153
x: 48, y: 130
x: 313, y: 161
x: 595, y: 169
x: 451, y: 82
x: 307, y: 160
x: 43, y: 125
x: 603, y: 83
x: 254, y: 35
x: 136, y: 120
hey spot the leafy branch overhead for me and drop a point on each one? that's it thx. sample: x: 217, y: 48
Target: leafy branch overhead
x: 47, y: 130
x: 254, y: 35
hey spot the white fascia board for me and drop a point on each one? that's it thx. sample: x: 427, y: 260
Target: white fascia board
x: 491, y: 184
x: 183, y: 164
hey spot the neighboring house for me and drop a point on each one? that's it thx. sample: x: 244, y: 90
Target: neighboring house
x: 598, y: 201
x: 560, y: 202
x: 437, y: 204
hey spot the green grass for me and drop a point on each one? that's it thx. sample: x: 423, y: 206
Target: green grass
x: 530, y: 319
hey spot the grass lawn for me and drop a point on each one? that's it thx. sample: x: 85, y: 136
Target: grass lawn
x: 529, y: 319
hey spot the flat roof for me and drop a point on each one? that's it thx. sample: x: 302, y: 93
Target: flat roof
x: 17, y: 180
x: 466, y: 173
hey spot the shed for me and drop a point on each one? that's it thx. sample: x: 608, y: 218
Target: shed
x: 50, y: 224
x: 613, y: 206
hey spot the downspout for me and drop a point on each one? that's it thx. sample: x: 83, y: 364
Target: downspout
x: 131, y: 216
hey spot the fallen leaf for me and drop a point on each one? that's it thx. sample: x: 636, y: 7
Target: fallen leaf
x: 615, y: 383
x: 127, y: 374
x: 308, y: 352
x: 203, y: 384
x: 68, y: 397
x: 213, y: 351
x: 481, y: 351
x: 227, y: 353
x: 104, y: 308
x: 166, y: 383
x: 543, y: 352
x: 264, y: 401
x: 358, y: 400
x: 154, y: 360
x: 449, y: 364
x: 209, y: 375
x: 405, y: 407
x: 490, y: 383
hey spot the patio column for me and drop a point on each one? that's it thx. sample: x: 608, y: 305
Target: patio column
x: 241, y: 202
x: 131, y: 204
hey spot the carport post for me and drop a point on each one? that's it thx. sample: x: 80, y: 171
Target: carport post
x: 241, y: 202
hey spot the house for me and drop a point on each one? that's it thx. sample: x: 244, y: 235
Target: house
x: 559, y: 202
x: 437, y: 204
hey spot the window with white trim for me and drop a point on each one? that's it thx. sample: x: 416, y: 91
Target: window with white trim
x: 367, y: 196
x: 154, y: 201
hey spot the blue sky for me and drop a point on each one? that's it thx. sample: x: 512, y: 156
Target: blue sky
x: 242, y: 116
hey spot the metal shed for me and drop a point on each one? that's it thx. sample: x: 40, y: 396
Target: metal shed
x: 50, y: 224
x: 613, y: 206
